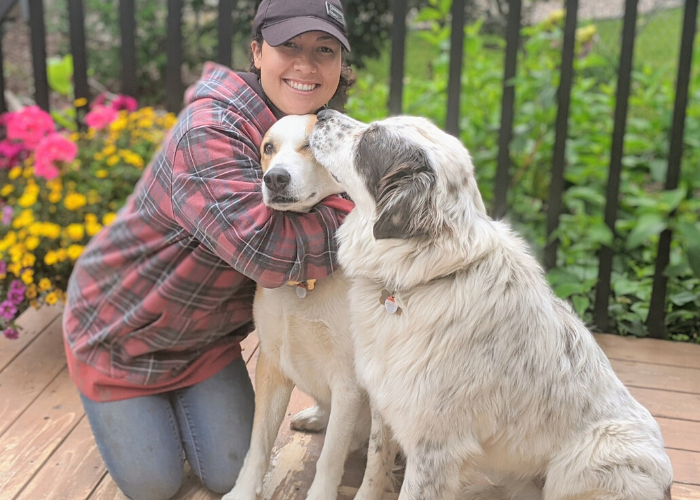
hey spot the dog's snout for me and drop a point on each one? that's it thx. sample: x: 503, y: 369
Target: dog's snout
x: 277, y: 179
x: 326, y: 114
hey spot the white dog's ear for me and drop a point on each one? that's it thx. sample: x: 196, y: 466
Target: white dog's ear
x: 404, y: 205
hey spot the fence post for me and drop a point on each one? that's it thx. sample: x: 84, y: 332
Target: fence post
x: 556, y: 186
x: 657, y: 305
x: 76, y: 18
x: 605, y: 256
x: 454, y: 83
x: 38, y: 41
x: 173, y: 72
x: 3, y: 104
x: 225, y: 33
x: 398, y: 49
x: 505, y: 133
x: 127, y: 28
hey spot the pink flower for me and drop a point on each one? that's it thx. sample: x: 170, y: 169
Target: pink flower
x: 8, y: 310
x: 3, y: 267
x: 15, y: 296
x: 125, y: 102
x: 7, y: 213
x: 10, y: 333
x: 99, y: 100
x: 29, y: 126
x: 100, y: 117
x: 52, y: 149
x: 18, y: 286
x: 10, y: 153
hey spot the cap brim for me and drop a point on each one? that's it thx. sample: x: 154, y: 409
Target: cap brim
x: 279, y: 33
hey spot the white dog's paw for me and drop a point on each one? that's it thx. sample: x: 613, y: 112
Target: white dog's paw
x: 241, y: 492
x: 312, y: 419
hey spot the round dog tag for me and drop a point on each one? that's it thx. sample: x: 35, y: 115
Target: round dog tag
x: 301, y: 291
x: 390, y: 305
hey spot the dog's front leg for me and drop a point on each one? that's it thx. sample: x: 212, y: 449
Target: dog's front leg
x: 381, y: 455
x: 431, y: 473
x: 346, y: 403
x: 272, y: 393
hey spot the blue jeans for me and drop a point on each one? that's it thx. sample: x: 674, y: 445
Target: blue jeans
x: 144, y: 441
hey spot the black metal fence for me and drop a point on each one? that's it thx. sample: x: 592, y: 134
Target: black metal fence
x: 174, y: 88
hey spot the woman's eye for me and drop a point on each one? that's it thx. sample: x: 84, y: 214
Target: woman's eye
x: 268, y: 148
x: 327, y: 50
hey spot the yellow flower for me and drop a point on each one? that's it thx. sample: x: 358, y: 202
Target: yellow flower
x: 51, y: 298
x: 54, y: 184
x: 14, y: 173
x: 51, y: 230
x: 6, y: 189
x: 92, y: 228
x: 28, y: 260
x: 74, y: 201
x: 80, y: 102
x: 15, y: 268
x: 109, y: 218
x: 55, y: 196
x: 31, y: 291
x: 74, y: 251
x: 144, y: 123
x: 112, y: 160
x: 44, y: 284
x: 35, y: 304
x: 93, y: 197
x: 32, y: 242
x: 28, y: 172
x: 27, y: 276
x: 170, y: 120
x: 98, y: 157
x: 50, y: 258
x: 75, y: 232
x: 90, y: 218
x: 119, y: 124
x: 555, y: 16
x: 101, y: 174
x: 24, y: 219
x: 75, y: 137
x: 61, y: 254
x: 27, y: 200
x: 109, y: 150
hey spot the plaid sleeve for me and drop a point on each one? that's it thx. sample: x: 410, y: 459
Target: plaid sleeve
x: 217, y: 197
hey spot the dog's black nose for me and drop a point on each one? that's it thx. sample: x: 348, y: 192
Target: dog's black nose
x: 325, y: 114
x: 277, y: 179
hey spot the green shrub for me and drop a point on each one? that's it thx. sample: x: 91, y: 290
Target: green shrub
x: 645, y: 208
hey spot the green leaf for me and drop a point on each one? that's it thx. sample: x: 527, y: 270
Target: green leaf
x: 642, y: 309
x: 673, y: 198
x: 60, y: 74
x: 566, y: 290
x: 581, y: 304
x: 648, y: 225
x: 693, y: 253
x: 683, y: 297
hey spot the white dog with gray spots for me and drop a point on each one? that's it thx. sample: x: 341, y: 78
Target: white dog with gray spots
x: 471, y: 363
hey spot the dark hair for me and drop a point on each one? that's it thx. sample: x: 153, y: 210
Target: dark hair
x: 347, y: 78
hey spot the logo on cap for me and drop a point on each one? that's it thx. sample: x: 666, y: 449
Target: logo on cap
x: 335, y: 13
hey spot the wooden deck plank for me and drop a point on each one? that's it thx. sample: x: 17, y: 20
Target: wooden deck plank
x: 651, y: 376
x: 686, y: 466
x: 680, y: 434
x: 665, y: 404
x: 107, y: 490
x: 73, y: 470
x: 21, y: 382
x: 660, y: 352
x: 31, y: 440
x: 31, y: 322
x: 685, y: 492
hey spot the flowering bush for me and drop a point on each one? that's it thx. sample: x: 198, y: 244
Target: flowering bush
x: 58, y: 189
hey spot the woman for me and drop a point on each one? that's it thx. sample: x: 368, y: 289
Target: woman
x: 159, y: 301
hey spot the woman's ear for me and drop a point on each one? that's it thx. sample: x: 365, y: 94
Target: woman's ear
x: 256, y: 49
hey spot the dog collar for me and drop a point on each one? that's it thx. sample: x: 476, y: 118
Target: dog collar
x: 302, y: 287
x: 388, y: 300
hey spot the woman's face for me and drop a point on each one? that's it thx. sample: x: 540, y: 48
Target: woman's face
x: 301, y: 75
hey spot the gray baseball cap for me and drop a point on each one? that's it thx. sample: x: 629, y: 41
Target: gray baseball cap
x: 281, y: 20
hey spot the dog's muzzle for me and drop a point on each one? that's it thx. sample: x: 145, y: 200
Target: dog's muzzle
x: 277, y: 180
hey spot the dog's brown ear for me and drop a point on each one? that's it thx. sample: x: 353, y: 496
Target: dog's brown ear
x: 404, y: 205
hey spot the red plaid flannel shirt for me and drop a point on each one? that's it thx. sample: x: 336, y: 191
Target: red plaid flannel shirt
x: 161, y: 299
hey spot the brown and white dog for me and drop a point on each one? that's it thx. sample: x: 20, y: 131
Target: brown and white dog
x: 484, y: 369
x: 304, y: 337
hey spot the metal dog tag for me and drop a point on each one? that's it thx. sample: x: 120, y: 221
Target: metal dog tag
x: 301, y: 290
x: 390, y: 305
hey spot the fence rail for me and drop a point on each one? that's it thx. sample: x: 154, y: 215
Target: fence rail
x: 174, y: 87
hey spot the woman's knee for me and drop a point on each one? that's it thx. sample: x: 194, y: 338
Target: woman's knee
x: 150, y: 486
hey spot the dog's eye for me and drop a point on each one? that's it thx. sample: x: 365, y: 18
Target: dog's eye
x: 305, y: 145
x: 268, y: 148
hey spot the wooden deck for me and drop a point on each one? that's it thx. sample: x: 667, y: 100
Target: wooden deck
x: 47, y: 450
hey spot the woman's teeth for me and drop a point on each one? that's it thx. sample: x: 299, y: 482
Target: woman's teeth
x: 301, y: 86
